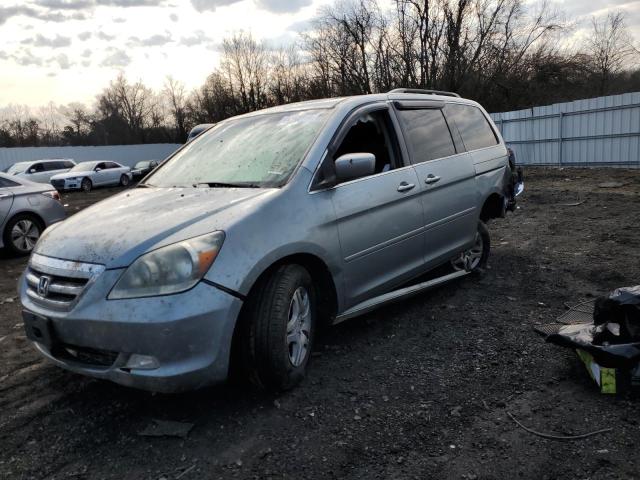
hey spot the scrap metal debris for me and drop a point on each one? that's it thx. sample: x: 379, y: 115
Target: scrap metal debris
x: 166, y: 428
x: 607, y: 340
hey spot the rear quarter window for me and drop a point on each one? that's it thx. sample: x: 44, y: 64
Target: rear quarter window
x: 474, y: 128
x: 427, y: 134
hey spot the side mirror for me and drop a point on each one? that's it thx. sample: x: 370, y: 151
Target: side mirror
x: 97, y: 169
x: 355, y: 165
x: 32, y: 170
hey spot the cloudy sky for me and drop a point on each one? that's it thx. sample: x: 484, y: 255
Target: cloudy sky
x: 68, y: 50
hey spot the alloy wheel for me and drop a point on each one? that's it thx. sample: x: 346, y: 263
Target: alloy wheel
x: 299, y: 326
x: 24, y: 235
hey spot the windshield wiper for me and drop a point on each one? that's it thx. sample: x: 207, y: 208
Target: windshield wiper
x: 227, y: 185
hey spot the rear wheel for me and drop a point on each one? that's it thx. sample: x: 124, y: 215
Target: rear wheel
x: 21, y: 233
x: 86, y: 185
x: 124, y: 180
x: 280, y: 328
x: 475, y: 258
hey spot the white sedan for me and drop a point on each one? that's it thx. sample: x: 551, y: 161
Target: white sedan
x: 86, y: 175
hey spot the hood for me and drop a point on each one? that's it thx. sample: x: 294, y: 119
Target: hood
x: 118, y: 230
x: 62, y: 176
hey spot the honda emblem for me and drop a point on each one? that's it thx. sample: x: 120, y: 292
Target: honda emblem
x: 43, y: 285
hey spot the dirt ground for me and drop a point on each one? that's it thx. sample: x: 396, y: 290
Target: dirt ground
x: 420, y: 389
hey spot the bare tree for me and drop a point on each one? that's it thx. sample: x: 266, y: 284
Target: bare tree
x: 610, y: 46
x: 175, y: 94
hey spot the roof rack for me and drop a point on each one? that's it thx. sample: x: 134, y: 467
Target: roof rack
x: 424, y: 92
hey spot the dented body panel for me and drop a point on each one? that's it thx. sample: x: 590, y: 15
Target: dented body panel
x: 371, y: 235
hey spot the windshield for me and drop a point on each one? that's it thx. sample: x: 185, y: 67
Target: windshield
x: 18, y: 168
x: 83, y: 167
x: 260, y: 151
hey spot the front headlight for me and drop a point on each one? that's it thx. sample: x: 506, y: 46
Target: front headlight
x: 171, y: 269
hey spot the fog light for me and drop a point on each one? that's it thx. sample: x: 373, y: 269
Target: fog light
x: 142, y: 362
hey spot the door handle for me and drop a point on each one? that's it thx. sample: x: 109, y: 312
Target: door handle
x: 431, y: 179
x: 405, y: 187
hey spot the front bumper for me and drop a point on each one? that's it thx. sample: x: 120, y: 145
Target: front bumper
x: 66, y: 184
x: 189, y: 334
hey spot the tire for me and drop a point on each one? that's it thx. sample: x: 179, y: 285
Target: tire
x: 86, y: 185
x: 278, y: 336
x: 475, y: 259
x: 124, y: 180
x: 21, y: 233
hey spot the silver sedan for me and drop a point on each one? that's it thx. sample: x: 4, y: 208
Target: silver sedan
x: 26, y: 209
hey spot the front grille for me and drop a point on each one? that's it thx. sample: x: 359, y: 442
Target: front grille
x: 85, y: 355
x: 58, y: 184
x: 58, y: 284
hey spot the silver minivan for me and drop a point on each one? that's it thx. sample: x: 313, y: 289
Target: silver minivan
x: 244, y: 242
x: 41, y: 171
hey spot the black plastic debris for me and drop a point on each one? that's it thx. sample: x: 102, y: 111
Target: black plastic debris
x: 608, y: 342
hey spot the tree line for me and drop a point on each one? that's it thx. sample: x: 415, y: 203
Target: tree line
x: 503, y: 53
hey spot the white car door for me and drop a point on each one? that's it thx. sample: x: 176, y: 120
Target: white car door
x: 100, y: 175
x: 36, y: 173
x: 115, y: 170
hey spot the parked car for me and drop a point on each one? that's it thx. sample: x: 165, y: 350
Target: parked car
x: 87, y: 175
x: 41, y: 171
x: 26, y: 209
x: 143, y: 168
x: 246, y: 240
x: 198, y: 129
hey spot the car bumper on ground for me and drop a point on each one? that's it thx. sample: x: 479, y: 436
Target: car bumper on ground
x: 178, y: 342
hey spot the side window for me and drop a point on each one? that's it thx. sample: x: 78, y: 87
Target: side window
x: 473, y: 126
x: 68, y: 164
x: 55, y: 166
x: 427, y: 134
x: 36, y: 167
x: 372, y: 133
x: 112, y: 165
x: 101, y: 166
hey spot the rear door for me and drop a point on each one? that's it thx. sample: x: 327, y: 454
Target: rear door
x: 115, y: 172
x: 380, y: 216
x: 53, y: 168
x: 446, y: 179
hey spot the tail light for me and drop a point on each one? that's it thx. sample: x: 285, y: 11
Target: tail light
x: 53, y: 194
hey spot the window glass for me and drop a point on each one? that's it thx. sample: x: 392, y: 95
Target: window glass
x: 101, y: 166
x: 84, y: 167
x: 427, y: 133
x: 36, y: 167
x: 473, y: 126
x: 68, y: 164
x: 255, y: 151
x: 112, y: 165
x: 7, y: 183
x: 17, y: 168
x: 370, y: 134
x: 54, y: 165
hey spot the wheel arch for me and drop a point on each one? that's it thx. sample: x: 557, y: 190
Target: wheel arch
x: 326, y: 293
x: 493, y: 207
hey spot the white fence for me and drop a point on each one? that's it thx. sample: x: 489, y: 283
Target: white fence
x: 124, y: 154
x: 596, y: 131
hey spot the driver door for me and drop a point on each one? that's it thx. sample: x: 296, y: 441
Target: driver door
x: 380, y: 218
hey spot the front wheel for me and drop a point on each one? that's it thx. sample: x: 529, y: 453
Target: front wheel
x: 124, y: 180
x: 86, y: 185
x: 475, y: 258
x: 281, y: 323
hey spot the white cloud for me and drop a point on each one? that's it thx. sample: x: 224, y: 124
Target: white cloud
x: 117, y: 59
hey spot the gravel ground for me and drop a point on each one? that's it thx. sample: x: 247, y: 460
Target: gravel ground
x: 419, y: 389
